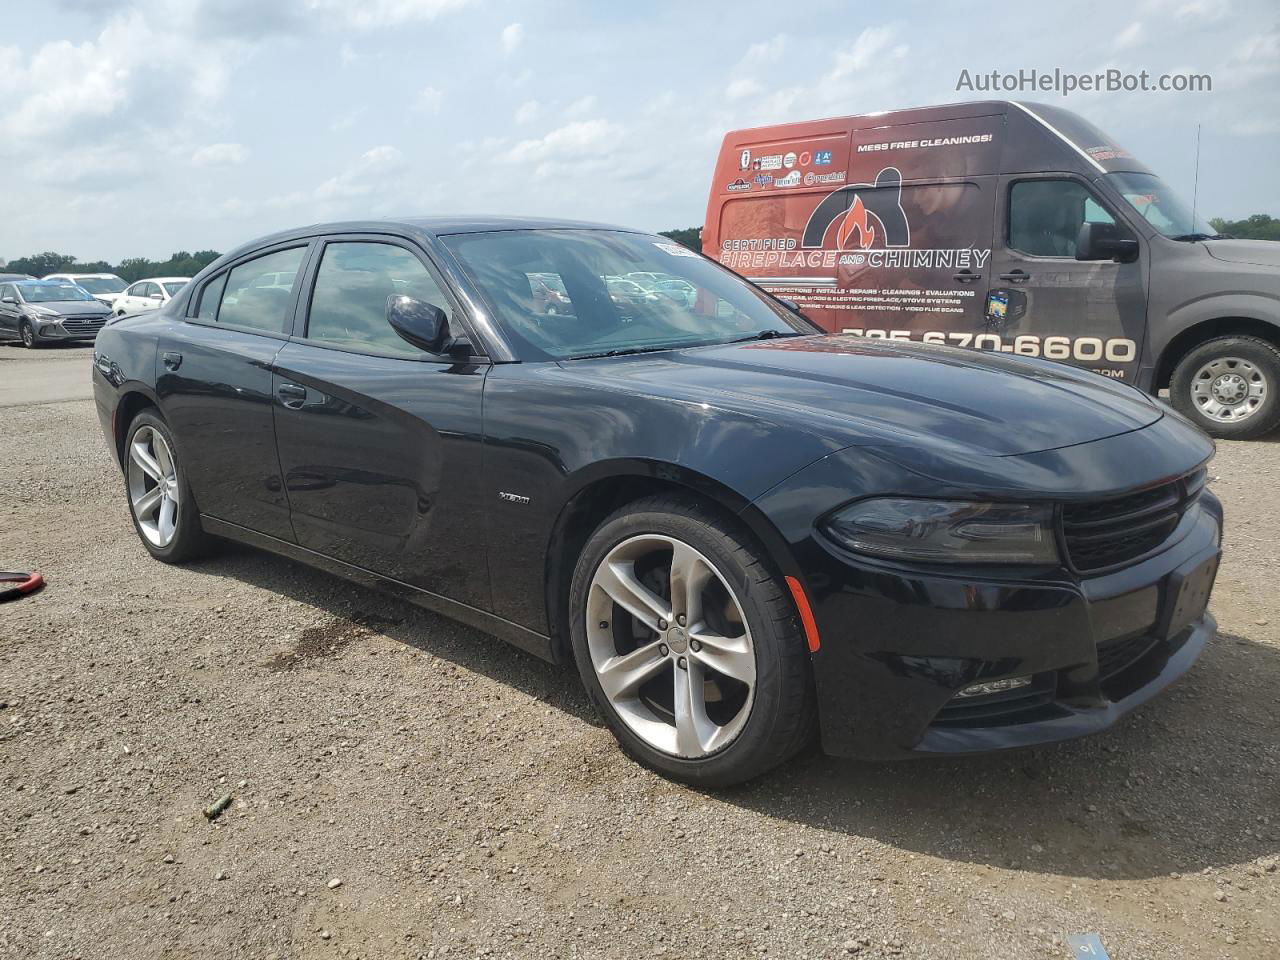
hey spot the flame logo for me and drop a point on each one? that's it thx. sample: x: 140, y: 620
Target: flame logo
x: 856, y: 219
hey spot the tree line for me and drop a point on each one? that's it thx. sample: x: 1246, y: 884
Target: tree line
x: 181, y: 264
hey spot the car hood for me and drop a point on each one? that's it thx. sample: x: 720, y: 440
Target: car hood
x: 867, y: 392
x: 1263, y: 253
x: 69, y: 307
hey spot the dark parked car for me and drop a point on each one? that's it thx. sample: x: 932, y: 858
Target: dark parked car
x: 737, y: 528
x: 42, y: 311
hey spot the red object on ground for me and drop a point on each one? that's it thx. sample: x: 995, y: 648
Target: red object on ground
x: 24, y: 583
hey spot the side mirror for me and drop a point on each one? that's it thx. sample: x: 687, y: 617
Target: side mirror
x: 422, y: 324
x: 1105, y: 241
x: 9, y: 300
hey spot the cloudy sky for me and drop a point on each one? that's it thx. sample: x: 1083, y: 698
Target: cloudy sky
x: 137, y: 127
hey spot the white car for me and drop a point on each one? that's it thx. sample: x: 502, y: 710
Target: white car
x: 103, y: 286
x: 148, y: 294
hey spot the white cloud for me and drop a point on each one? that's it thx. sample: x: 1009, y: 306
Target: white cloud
x: 871, y: 48
x: 347, y: 54
x: 220, y: 155
x: 742, y: 87
x: 581, y: 106
x: 361, y: 178
x: 368, y: 14
x: 512, y: 37
x: 527, y: 112
x: 1127, y: 37
x: 430, y: 99
x: 567, y: 142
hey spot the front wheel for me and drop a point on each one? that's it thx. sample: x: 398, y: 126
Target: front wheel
x: 28, y: 334
x: 689, y: 644
x: 1229, y: 387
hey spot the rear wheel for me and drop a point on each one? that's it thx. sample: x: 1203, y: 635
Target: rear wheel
x: 1229, y: 387
x: 164, y: 512
x: 689, y: 644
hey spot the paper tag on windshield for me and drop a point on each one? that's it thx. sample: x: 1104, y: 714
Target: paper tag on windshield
x: 675, y: 249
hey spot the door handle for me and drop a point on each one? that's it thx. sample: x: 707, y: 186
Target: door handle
x: 291, y: 395
x: 1016, y: 276
x: 172, y: 361
x: 965, y: 276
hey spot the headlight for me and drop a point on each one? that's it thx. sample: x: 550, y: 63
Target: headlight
x: 946, y: 531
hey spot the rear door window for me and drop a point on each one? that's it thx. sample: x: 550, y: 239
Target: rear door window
x: 259, y: 292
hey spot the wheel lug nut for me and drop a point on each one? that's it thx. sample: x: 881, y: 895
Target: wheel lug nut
x: 680, y: 619
x: 682, y: 664
x: 662, y: 624
x: 662, y: 649
x: 604, y: 624
x: 695, y: 646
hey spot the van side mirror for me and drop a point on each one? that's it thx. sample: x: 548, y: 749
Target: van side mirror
x: 1105, y: 241
x: 422, y: 324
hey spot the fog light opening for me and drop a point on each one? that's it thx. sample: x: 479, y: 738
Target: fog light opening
x: 995, y: 686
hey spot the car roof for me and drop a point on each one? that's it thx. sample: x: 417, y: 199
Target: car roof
x: 435, y: 226
x: 88, y: 276
x: 47, y: 281
x: 162, y: 280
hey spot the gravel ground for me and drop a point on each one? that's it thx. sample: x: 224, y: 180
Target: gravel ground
x: 402, y: 786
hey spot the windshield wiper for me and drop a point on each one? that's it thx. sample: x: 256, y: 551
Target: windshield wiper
x: 1193, y: 237
x: 620, y: 352
x: 765, y: 335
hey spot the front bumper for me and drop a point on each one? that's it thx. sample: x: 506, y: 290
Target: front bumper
x: 76, y: 329
x: 898, y: 644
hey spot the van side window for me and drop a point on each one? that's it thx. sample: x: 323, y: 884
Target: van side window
x: 1045, y: 216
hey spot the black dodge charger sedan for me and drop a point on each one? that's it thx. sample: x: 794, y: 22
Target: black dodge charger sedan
x: 738, y: 529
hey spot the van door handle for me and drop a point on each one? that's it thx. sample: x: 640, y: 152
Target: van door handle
x: 965, y: 276
x: 1016, y: 276
x: 291, y: 395
x: 172, y: 361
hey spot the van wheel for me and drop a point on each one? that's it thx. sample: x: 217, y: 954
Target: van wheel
x: 1229, y: 387
x: 689, y: 644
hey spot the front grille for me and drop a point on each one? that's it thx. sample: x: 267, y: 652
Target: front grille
x: 1106, y: 533
x: 83, y: 324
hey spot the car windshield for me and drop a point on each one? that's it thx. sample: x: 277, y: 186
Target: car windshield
x: 171, y: 287
x: 101, y: 284
x: 563, y: 294
x: 52, y: 292
x: 1156, y: 202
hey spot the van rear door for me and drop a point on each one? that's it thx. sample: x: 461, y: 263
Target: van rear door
x: 884, y: 231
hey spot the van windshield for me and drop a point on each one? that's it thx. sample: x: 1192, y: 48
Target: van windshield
x: 572, y: 294
x: 1160, y: 206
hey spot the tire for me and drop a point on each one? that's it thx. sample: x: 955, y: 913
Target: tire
x: 743, y: 727
x: 182, y: 539
x: 28, y: 336
x: 1220, y: 370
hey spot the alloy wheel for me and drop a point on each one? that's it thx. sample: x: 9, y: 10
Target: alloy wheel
x: 28, y: 336
x: 1228, y: 389
x: 153, y: 486
x: 670, y: 646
